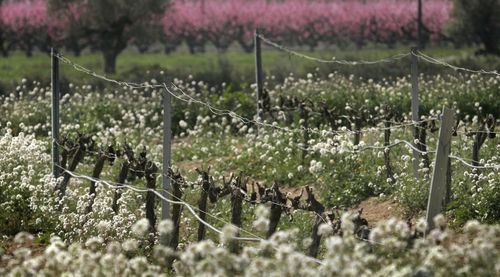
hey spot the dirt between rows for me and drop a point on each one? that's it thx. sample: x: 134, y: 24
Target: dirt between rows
x: 375, y: 209
x: 8, y: 247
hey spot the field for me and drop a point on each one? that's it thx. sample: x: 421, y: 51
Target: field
x: 344, y: 161
x: 233, y: 67
x: 249, y: 138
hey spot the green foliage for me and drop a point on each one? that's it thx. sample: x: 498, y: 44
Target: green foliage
x: 477, y: 21
x: 201, y: 138
x: 206, y: 67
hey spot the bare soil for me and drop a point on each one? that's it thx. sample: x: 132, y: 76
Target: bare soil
x: 376, y: 210
x: 9, y: 247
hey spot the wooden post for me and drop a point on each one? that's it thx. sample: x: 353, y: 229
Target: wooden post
x: 414, y: 111
x: 258, y: 75
x: 438, y: 184
x: 55, y: 113
x: 167, y: 152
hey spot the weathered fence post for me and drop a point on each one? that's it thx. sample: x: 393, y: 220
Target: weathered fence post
x: 258, y: 76
x: 167, y: 152
x: 438, y: 184
x: 55, y: 113
x: 414, y: 110
x: 150, y: 171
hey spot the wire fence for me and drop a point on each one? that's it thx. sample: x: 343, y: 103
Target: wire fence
x: 333, y: 60
x: 221, y: 112
x: 395, y: 58
x: 323, y: 133
x: 175, y: 91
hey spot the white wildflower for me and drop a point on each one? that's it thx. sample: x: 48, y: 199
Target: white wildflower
x: 165, y: 227
x: 140, y: 228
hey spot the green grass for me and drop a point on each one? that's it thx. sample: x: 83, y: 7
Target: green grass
x: 235, y: 67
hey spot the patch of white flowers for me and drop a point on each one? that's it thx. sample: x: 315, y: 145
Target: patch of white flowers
x: 26, y: 192
x: 474, y: 253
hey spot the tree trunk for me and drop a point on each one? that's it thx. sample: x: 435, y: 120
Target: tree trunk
x: 3, y: 50
x: 247, y: 47
x: 29, y: 51
x: 109, y: 61
x: 77, y: 50
x: 490, y: 44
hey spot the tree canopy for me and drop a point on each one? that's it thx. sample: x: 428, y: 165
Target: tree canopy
x: 477, y: 21
x: 108, y: 25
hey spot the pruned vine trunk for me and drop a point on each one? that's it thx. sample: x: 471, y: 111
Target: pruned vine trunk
x: 151, y: 169
x: 236, y: 209
x: 202, y: 204
x: 387, y: 150
x: 277, y: 203
x: 176, y: 211
x: 96, y: 173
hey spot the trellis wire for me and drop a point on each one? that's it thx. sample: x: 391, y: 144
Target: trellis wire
x: 394, y: 58
x: 187, y: 205
x: 463, y: 161
x: 342, y: 62
x: 213, y: 109
x: 432, y: 60
x: 232, y: 114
